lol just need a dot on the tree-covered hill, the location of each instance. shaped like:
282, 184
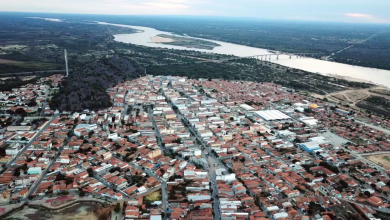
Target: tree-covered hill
86, 87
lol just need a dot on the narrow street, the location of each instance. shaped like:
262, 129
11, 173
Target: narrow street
212, 175
30, 142
163, 149
384, 130
43, 174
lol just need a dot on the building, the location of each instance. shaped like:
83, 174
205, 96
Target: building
13, 149
314, 143
246, 107
155, 217
309, 121
103, 169
272, 115
84, 127
198, 196
310, 146
19, 128
113, 136
34, 170
154, 154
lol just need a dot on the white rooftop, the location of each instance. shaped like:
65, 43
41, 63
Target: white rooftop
271, 115
155, 217
247, 107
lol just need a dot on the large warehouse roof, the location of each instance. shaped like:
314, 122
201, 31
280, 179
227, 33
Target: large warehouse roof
271, 115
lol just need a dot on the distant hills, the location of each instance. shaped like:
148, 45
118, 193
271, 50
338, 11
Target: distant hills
86, 87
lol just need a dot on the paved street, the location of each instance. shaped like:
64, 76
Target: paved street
384, 130
30, 142
163, 185
43, 174
156, 130
213, 159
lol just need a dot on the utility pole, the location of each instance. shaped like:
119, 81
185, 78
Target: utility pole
66, 63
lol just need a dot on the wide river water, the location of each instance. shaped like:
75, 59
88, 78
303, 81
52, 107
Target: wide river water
377, 76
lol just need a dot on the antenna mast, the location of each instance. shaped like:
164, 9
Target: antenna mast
66, 63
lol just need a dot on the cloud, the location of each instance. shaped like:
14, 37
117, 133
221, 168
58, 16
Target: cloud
358, 15
362, 11
151, 6
169, 4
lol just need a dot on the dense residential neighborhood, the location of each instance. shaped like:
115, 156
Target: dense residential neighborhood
179, 148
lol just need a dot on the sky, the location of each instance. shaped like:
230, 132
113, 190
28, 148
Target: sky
359, 11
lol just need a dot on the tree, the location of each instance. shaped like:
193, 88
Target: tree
60, 177
90, 133
69, 180
81, 193
117, 207
367, 193
21, 112
90, 172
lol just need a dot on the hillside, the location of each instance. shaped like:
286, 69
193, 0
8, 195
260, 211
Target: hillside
86, 87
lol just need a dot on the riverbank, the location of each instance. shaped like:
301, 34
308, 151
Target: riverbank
354, 73
349, 78
158, 39
79, 208
186, 42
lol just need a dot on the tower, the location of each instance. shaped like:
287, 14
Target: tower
66, 63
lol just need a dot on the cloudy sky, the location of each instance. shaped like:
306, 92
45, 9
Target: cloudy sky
367, 11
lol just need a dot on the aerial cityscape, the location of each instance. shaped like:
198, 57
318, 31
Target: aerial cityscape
174, 113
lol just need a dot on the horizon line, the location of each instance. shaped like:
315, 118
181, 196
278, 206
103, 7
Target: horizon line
204, 16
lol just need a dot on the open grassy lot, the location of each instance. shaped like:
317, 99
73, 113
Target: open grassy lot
154, 196
383, 160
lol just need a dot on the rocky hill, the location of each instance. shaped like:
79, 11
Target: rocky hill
86, 87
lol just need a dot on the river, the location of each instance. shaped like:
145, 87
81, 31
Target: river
357, 73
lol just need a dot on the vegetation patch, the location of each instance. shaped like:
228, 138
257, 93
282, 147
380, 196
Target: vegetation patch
377, 104
188, 42
382, 160
85, 88
154, 196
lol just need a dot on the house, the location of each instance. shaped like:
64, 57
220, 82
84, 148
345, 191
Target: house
199, 196
34, 170
13, 149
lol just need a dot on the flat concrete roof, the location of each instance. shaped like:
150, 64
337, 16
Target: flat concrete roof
272, 115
